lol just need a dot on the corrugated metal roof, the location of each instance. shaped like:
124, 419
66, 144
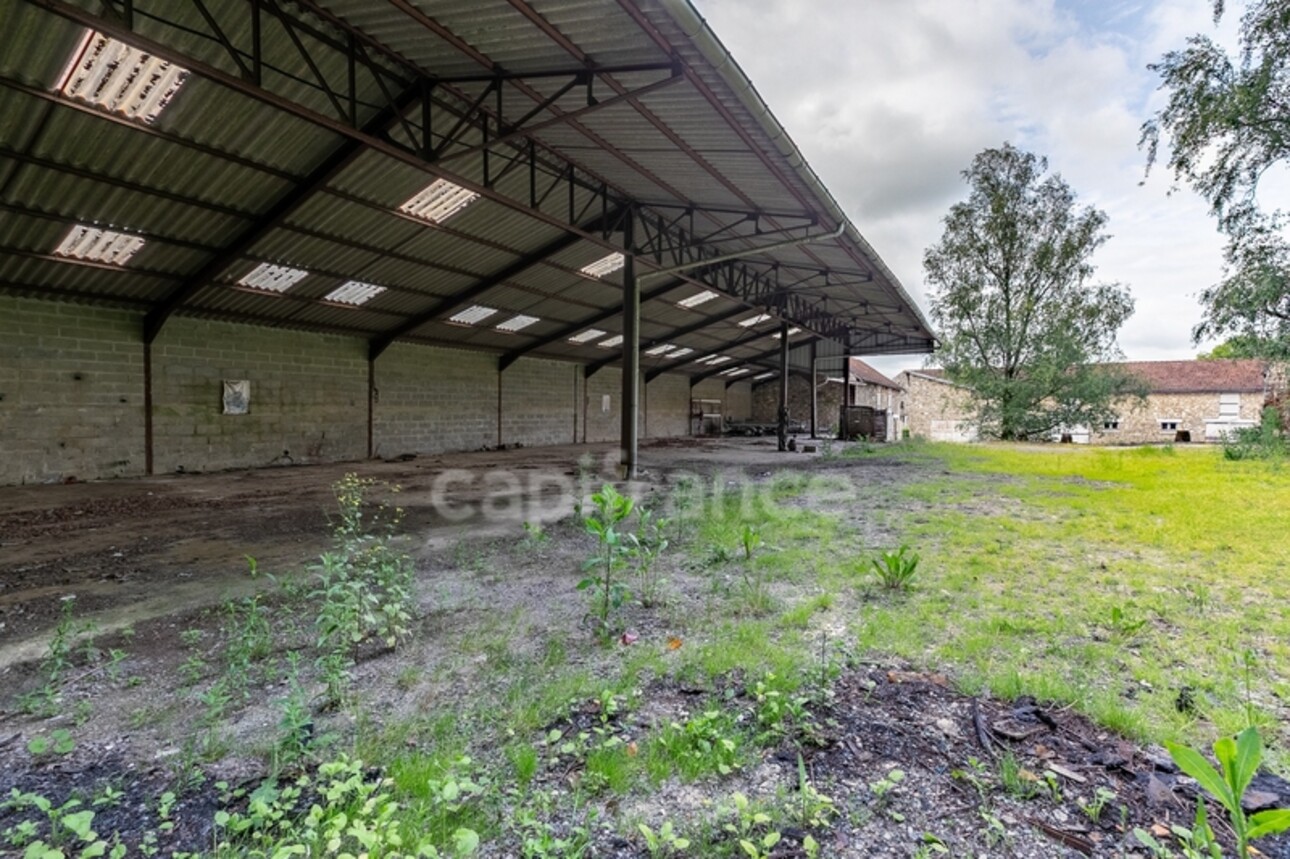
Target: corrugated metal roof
224, 153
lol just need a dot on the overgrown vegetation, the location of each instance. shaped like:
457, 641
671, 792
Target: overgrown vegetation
1071, 575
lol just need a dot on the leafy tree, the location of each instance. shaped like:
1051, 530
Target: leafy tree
1021, 324
1227, 122
1238, 346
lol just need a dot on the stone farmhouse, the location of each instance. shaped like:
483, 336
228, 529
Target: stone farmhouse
1186, 401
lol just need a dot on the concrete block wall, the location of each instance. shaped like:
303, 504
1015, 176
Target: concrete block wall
600, 423
432, 400
539, 402
71, 392
667, 407
72, 397
308, 396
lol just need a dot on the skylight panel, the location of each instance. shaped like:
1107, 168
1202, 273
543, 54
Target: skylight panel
791, 332
763, 376
354, 292
661, 349
122, 79
734, 371
714, 360
516, 323
588, 335
95, 244
695, 300
438, 201
273, 278
754, 320
679, 353
616, 340
472, 315
604, 265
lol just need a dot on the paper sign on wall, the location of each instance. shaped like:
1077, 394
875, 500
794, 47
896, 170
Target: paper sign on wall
604, 404
237, 396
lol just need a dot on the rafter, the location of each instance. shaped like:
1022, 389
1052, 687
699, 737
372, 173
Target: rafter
478, 288
569, 330
324, 172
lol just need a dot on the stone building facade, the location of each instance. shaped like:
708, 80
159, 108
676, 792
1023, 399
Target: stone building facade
828, 392
934, 408
1192, 400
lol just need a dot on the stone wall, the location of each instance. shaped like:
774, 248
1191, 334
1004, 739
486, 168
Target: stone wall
829, 395
1142, 422
934, 409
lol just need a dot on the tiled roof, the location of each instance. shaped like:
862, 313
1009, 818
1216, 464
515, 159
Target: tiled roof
1195, 377
867, 375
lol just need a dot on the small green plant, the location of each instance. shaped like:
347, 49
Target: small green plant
1093, 808
708, 742
364, 587
812, 809
883, 787
750, 539
646, 544
59, 742
749, 824
778, 713
896, 569
1015, 779
1123, 623
535, 534
666, 842
43, 701
68, 826
1265, 441
932, 846
1238, 761
608, 593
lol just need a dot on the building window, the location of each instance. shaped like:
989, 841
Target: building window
1229, 405
1110, 426
1168, 426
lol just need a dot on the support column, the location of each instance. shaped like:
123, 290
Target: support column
815, 387
783, 386
631, 352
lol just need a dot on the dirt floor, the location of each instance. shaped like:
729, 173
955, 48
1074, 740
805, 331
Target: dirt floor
150, 561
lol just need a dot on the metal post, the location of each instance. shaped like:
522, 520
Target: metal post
815, 385
783, 386
631, 351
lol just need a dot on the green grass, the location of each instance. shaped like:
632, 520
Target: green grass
1108, 579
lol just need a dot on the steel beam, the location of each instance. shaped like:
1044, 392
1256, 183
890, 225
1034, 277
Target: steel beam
631, 354
782, 414
569, 330
681, 362
381, 343
759, 358
288, 203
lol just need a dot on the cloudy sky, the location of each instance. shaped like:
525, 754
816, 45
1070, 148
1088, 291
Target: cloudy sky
890, 99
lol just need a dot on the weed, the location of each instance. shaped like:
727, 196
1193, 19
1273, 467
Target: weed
364, 588
750, 539
1123, 623
535, 534
780, 714
59, 742
43, 701
666, 842
646, 543
1238, 761
708, 742
65, 825
932, 846
295, 724
896, 569
608, 593
812, 809
882, 788
1017, 780
1094, 807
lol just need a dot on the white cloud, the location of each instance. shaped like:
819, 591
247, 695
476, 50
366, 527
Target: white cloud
889, 101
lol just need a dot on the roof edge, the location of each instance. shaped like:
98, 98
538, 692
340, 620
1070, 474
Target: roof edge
705, 39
